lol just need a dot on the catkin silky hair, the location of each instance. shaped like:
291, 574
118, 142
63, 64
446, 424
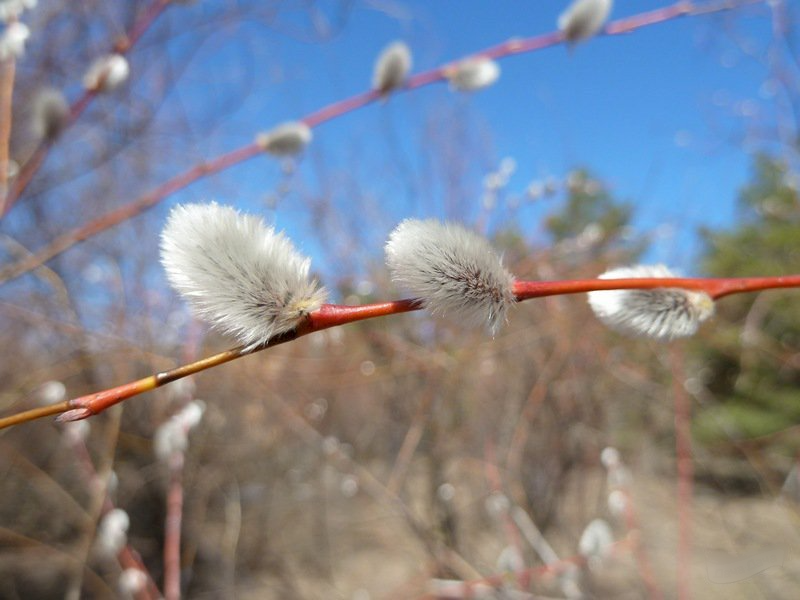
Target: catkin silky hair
391, 67
584, 18
106, 73
49, 114
473, 74
286, 139
237, 273
454, 271
660, 313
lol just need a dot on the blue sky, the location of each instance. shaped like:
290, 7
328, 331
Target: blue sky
651, 112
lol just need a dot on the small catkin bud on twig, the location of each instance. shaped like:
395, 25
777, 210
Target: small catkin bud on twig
172, 437
287, 139
106, 73
76, 432
583, 19
618, 503
237, 274
661, 313
609, 457
454, 271
49, 114
596, 541
132, 581
51, 392
391, 68
473, 74
112, 534
12, 40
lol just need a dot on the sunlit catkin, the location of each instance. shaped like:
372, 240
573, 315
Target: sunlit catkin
49, 114
473, 74
106, 73
660, 313
237, 273
454, 271
584, 18
596, 541
391, 68
12, 40
287, 139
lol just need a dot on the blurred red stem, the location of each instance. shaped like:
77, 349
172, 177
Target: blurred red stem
6, 104
172, 534
714, 287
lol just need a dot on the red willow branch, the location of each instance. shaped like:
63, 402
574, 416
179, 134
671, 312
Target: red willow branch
172, 533
123, 45
8, 67
330, 112
334, 315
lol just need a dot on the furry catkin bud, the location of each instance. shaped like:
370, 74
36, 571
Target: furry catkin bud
474, 74
49, 114
286, 139
610, 457
51, 392
12, 40
391, 68
237, 273
172, 437
584, 18
106, 73
112, 533
596, 540
131, 582
661, 313
454, 271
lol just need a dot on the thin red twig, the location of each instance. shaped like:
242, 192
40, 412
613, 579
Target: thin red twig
8, 67
333, 315
172, 533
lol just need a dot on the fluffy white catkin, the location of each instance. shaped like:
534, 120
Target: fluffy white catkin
112, 533
12, 40
661, 313
596, 540
107, 73
49, 114
391, 67
454, 271
237, 273
584, 18
286, 139
474, 74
